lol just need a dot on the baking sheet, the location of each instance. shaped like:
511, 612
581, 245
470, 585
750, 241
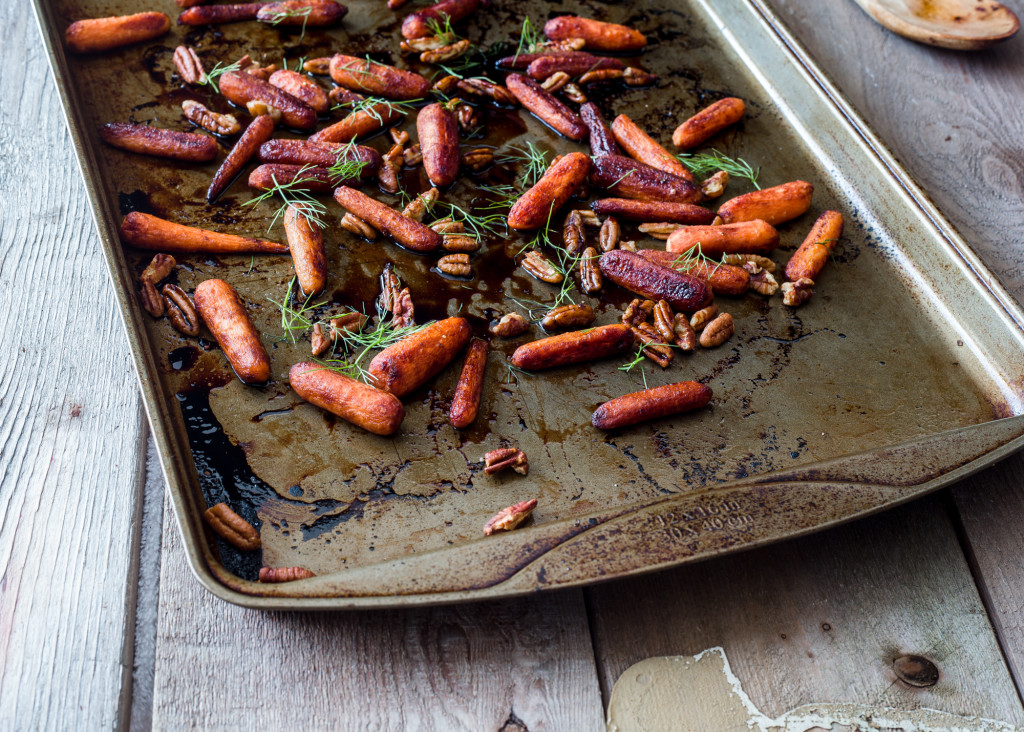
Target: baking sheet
905, 338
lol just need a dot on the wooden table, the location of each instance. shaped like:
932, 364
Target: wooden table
101, 623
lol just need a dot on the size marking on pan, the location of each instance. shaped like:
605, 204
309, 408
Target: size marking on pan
687, 524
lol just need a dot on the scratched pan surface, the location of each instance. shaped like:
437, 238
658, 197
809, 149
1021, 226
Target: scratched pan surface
907, 339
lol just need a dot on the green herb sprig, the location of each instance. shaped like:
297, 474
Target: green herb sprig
357, 345
529, 38
218, 70
532, 161
706, 163
295, 321
373, 106
346, 167
293, 194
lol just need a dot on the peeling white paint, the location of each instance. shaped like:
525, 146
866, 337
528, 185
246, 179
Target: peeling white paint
701, 693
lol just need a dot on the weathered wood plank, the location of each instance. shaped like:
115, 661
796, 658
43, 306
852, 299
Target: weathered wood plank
469, 667
991, 506
956, 121
70, 422
821, 619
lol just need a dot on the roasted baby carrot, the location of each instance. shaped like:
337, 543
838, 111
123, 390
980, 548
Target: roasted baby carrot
225, 315
144, 231
102, 34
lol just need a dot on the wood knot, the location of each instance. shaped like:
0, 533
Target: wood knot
916, 671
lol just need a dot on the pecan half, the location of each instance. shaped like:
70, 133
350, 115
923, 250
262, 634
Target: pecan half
654, 348
487, 89
573, 237
151, 299
661, 230
714, 186
540, 267
703, 316
509, 518
637, 311
638, 77
589, 218
739, 260
566, 317
256, 107
467, 118
220, 124
446, 85
478, 158
574, 94
795, 294
284, 574
189, 67
509, 325
599, 75
180, 310
664, 321
610, 234
590, 273
319, 66
418, 45
403, 314
232, 528
460, 243
325, 336
357, 226
556, 81
506, 457
391, 164
628, 245
399, 137
717, 331
419, 206
413, 155
456, 265
684, 335
761, 281
448, 225
158, 269
445, 53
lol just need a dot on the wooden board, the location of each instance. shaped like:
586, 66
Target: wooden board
525, 662
71, 426
822, 618
956, 122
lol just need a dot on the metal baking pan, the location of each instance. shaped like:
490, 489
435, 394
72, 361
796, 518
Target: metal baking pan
901, 375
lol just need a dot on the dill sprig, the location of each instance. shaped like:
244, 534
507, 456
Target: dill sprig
282, 15
357, 345
441, 28
705, 163
512, 373
295, 321
218, 70
565, 263
637, 361
293, 194
529, 37
695, 257
532, 161
480, 226
298, 65
372, 106
346, 167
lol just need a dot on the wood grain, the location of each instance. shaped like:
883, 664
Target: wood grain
822, 618
956, 121
470, 667
70, 422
